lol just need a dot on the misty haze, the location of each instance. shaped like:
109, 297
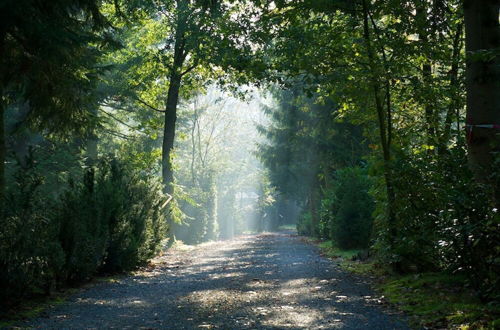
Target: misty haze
249, 164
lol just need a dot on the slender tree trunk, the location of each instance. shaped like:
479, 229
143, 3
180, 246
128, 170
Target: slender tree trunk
92, 143
313, 207
169, 131
426, 32
173, 97
2, 153
454, 106
429, 104
193, 146
483, 89
385, 124
171, 107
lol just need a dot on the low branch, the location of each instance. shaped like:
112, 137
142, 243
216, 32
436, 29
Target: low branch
148, 105
191, 68
117, 134
115, 107
170, 197
120, 121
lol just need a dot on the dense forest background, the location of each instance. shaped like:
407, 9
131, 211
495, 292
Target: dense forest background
128, 125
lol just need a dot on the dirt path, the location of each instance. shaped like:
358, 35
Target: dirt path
272, 281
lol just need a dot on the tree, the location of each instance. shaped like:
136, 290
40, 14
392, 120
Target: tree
483, 99
214, 163
306, 143
48, 57
187, 45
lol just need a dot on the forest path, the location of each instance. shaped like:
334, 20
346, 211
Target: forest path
268, 281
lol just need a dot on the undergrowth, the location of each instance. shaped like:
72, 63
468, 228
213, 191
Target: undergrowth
431, 300
32, 308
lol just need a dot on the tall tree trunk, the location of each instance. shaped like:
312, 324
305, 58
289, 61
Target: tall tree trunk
313, 207
2, 153
426, 32
483, 90
173, 96
169, 131
384, 123
430, 120
454, 106
92, 142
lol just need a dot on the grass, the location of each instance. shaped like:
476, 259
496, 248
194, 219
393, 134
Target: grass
33, 307
288, 227
440, 300
432, 300
331, 251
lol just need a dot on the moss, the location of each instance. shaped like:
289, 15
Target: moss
331, 251
362, 268
439, 300
432, 300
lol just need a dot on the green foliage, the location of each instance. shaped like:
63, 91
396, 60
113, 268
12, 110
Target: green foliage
304, 224
109, 220
200, 211
119, 212
443, 220
440, 300
50, 58
83, 233
347, 208
30, 256
331, 250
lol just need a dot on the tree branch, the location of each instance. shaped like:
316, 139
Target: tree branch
119, 120
117, 134
191, 68
148, 105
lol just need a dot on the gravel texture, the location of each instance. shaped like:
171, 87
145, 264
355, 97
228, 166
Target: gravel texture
268, 281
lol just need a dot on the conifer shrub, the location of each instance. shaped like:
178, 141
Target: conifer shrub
30, 253
110, 220
119, 224
83, 232
130, 205
346, 209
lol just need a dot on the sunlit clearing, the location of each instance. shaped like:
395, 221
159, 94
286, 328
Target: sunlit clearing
218, 177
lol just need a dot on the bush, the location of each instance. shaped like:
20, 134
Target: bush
83, 232
110, 221
304, 225
443, 220
200, 210
30, 254
346, 209
130, 206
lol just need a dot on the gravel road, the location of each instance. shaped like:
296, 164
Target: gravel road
268, 281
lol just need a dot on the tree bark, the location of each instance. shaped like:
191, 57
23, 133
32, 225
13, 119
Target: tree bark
173, 97
482, 37
2, 153
385, 124
426, 32
430, 120
454, 106
92, 143
169, 132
